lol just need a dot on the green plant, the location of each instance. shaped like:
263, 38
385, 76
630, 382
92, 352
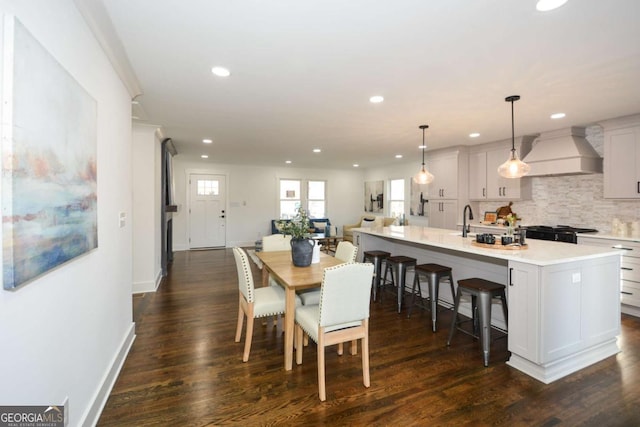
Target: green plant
297, 227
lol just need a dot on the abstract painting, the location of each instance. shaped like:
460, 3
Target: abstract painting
373, 196
419, 205
49, 170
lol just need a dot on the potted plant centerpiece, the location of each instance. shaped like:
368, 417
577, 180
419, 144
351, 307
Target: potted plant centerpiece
301, 244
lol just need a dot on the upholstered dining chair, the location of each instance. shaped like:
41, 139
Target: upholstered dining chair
341, 316
345, 252
254, 302
276, 242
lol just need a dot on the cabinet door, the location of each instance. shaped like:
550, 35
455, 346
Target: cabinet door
622, 164
444, 168
524, 310
478, 176
499, 187
443, 214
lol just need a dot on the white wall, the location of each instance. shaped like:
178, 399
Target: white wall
64, 334
147, 244
252, 198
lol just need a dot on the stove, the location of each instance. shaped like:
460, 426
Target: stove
559, 233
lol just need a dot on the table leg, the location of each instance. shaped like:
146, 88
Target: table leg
289, 323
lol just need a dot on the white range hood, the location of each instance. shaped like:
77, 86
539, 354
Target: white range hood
563, 152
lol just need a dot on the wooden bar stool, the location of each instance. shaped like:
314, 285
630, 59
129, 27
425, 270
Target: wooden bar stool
482, 292
398, 265
434, 274
376, 258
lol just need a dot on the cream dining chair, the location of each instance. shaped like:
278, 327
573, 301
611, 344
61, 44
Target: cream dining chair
345, 252
342, 315
254, 302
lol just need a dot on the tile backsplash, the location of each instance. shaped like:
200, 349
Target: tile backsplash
575, 200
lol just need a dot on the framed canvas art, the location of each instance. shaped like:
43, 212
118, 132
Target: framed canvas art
49, 169
373, 196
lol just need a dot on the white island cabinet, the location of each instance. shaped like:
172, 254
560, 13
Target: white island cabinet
564, 303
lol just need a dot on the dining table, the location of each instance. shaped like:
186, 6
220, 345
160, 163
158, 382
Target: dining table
280, 265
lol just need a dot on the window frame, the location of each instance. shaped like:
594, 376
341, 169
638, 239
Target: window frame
304, 195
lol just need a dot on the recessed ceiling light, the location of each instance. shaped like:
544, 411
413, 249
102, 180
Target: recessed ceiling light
398, 156
558, 115
376, 99
474, 135
355, 165
317, 150
547, 5
288, 162
221, 71
207, 141
204, 156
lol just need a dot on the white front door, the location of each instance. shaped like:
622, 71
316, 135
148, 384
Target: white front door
207, 206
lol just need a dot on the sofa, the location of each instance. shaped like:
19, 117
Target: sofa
376, 221
318, 224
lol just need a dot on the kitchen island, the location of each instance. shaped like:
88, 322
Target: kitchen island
564, 299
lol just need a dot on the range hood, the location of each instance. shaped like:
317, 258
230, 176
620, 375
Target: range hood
563, 152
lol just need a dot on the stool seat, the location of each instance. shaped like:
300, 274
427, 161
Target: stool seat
376, 258
434, 274
399, 265
482, 291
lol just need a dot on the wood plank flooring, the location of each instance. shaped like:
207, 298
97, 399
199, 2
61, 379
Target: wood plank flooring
185, 369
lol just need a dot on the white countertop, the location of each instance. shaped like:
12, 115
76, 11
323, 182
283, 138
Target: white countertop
538, 252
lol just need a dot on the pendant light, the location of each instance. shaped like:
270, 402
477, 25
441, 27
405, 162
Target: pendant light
423, 177
513, 167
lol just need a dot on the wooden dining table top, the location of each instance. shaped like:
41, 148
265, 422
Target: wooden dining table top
281, 266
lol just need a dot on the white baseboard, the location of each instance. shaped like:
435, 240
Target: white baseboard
147, 285
92, 414
630, 310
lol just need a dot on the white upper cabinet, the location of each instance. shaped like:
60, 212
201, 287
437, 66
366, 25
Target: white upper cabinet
484, 181
447, 168
622, 158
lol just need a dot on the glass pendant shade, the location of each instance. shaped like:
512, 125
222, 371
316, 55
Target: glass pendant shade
424, 176
513, 167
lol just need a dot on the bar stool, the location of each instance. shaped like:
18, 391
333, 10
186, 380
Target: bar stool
376, 258
399, 265
434, 274
484, 291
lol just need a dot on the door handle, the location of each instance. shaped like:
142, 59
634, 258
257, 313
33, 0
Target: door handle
510, 276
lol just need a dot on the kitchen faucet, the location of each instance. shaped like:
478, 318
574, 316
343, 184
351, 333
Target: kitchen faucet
464, 220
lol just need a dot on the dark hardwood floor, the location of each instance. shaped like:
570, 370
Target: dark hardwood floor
185, 369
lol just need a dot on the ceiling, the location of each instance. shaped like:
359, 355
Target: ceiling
303, 72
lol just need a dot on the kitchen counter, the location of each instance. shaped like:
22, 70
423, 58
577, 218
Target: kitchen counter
538, 252
564, 299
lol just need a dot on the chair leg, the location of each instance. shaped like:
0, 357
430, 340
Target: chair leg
299, 345
365, 355
247, 339
416, 282
454, 321
340, 348
484, 309
321, 385
354, 347
240, 322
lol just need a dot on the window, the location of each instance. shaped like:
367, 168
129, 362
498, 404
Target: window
311, 195
207, 187
396, 198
